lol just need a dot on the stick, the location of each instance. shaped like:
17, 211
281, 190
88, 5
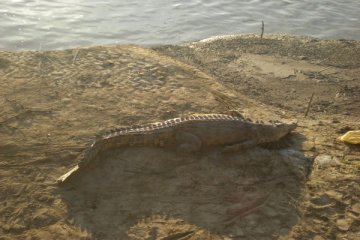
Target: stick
309, 104
262, 29
324, 69
40, 50
75, 56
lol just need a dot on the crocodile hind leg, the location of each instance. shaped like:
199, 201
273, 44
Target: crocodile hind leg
239, 146
187, 143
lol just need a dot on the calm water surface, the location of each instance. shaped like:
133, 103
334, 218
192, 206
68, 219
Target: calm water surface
43, 24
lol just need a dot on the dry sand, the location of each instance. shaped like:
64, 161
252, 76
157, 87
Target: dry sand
53, 102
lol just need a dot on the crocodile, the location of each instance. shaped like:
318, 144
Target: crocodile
186, 135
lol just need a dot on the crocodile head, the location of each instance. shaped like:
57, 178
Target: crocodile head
285, 128
275, 131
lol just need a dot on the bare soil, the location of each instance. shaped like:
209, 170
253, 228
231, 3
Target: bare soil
54, 102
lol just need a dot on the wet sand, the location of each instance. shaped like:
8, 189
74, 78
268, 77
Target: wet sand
53, 102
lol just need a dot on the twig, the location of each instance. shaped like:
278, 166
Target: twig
49, 59
309, 104
262, 29
245, 211
180, 235
40, 63
323, 69
40, 53
75, 56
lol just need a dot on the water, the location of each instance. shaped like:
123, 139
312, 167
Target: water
58, 24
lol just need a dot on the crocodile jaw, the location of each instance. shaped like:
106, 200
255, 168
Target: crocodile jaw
284, 128
273, 133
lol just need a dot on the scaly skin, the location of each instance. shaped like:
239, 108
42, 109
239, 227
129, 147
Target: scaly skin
189, 134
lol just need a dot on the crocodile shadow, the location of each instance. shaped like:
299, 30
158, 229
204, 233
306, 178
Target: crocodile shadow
151, 193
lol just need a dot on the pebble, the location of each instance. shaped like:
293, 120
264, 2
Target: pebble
39, 179
343, 224
324, 161
356, 208
321, 200
66, 100
335, 195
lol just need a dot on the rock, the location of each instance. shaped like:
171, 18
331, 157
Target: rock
66, 100
298, 164
321, 200
335, 195
356, 208
324, 161
343, 224
302, 57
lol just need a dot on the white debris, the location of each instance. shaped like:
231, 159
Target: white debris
324, 161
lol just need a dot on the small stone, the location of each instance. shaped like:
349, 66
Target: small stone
324, 161
335, 195
321, 200
356, 208
39, 179
66, 100
343, 224
317, 221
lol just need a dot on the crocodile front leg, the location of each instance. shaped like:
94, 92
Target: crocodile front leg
187, 143
239, 146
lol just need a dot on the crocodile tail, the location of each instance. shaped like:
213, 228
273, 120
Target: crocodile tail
91, 152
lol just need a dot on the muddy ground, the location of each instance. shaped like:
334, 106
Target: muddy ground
54, 102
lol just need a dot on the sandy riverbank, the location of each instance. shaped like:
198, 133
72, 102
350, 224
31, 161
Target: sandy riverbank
53, 102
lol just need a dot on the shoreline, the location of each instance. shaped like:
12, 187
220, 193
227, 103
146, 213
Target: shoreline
226, 37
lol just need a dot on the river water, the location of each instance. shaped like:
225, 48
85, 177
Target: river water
58, 24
